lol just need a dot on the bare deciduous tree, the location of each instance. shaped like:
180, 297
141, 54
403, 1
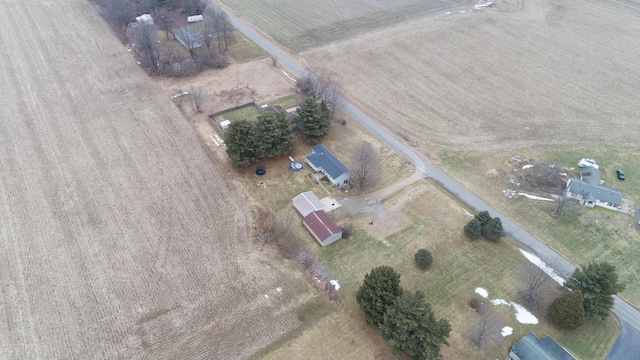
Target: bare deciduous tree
366, 169
119, 12
535, 282
567, 207
199, 96
144, 37
166, 20
486, 328
322, 87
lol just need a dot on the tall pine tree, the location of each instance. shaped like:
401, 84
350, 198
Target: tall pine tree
243, 143
380, 287
275, 134
312, 120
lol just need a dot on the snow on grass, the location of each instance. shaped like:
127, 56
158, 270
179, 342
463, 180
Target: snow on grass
529, 166
523, 315
506, 331
335, 284
482, 292
529, 196
542, 265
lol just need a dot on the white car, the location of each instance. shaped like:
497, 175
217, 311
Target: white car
587, 162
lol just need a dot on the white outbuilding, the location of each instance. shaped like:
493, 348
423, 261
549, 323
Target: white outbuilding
224, 125
195, 18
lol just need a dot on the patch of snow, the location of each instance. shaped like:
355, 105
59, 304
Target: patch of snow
461, 12
279, 290
467, 213
266, 296
534, 197
482, 292
448, 12
528, 166
523, 315
335, 284
290, 78
499, 302
506, 331
542, 265
483, 5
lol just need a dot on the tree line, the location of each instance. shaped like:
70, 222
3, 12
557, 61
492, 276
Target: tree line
169, 58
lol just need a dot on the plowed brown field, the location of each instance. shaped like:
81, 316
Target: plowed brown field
519, 74
119, 237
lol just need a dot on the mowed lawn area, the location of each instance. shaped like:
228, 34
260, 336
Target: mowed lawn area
430, 219
303, 24
614, 238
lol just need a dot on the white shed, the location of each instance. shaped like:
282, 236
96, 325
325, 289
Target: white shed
145, 19
224, 125
195, 18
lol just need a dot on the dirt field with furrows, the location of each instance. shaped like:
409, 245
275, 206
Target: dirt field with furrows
517, 74
119, 237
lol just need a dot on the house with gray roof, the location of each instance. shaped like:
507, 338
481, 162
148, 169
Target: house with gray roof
322, 160
189, 39
530, 347
590, 192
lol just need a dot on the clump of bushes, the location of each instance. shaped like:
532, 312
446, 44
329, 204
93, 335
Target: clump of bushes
484, 224
567, 311
423, 258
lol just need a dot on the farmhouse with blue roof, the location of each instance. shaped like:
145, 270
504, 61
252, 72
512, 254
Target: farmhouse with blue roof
324, 161
530, 347
590, 192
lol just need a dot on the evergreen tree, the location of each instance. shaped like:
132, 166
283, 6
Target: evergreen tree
493, 230
473, 229
275, 134
567, 311
379, 289
411, 328
597, 282
312, 120
483, 217
423, 258
243, 143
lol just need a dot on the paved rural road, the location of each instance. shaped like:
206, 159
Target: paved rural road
626, 346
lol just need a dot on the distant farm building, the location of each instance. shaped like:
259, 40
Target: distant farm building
590, 192
323, 229
144, 19
189, 39
306, 203
195, 18
322, 160
224, 125
530, 347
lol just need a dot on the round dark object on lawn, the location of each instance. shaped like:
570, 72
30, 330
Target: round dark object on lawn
260, 171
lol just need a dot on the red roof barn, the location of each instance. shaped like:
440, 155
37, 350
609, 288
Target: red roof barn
322, 227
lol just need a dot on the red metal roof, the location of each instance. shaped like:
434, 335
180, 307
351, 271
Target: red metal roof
321, 225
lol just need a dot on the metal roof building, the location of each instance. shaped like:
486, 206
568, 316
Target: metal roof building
306, 203
530, 347
323, 229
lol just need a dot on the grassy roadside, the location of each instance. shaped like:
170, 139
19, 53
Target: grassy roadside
580, 239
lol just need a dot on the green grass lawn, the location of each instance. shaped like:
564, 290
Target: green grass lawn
460, 265
247, 113
613, 239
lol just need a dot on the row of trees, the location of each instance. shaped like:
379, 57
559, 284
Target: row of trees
405, 319
592, 289
249, 141
484, 224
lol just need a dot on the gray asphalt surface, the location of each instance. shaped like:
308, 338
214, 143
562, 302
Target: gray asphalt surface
627, 345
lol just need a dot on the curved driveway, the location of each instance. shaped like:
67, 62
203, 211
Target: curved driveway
625, 347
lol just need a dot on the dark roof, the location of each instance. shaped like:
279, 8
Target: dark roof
595, 192
530, 347
273, 108
323, 158
189, 39
321, 225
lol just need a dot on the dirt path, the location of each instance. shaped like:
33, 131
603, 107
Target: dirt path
366, 203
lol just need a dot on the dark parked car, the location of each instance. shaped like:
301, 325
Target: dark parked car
620, 174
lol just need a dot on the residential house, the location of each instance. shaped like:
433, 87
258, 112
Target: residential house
189, 39
144, 19
530, 347
323, 229
324, 161
590, 192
